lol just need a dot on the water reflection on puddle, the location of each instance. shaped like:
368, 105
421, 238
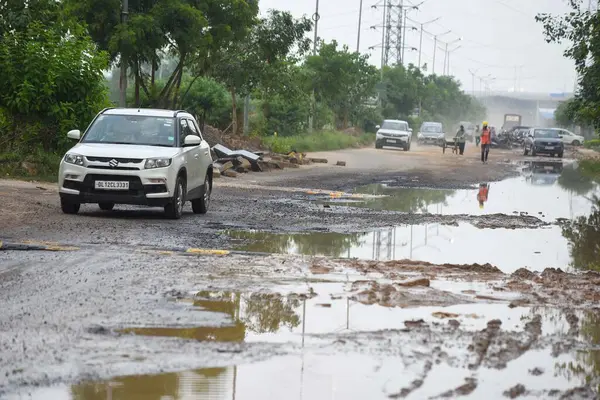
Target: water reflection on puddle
349, 375
508, 249
547, 190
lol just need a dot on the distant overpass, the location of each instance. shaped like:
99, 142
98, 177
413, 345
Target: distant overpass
536, 108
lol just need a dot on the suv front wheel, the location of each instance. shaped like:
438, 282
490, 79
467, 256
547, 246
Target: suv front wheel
200, 205
69, 207
174, 210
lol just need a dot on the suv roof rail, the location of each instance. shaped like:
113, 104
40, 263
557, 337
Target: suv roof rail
106, 109
179, 111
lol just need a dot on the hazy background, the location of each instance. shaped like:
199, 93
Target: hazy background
497, 36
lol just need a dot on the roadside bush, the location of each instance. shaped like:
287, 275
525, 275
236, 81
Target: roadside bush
592, 144
50, 82
318, 141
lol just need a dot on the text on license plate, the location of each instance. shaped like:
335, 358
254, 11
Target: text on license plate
549, 148
391, 141
112, 185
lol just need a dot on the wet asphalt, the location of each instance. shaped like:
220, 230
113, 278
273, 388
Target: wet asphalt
134, 295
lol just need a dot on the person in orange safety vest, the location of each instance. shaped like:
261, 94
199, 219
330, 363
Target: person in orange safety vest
486, 140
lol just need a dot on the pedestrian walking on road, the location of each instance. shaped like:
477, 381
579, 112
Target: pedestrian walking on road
486, 140
460, 138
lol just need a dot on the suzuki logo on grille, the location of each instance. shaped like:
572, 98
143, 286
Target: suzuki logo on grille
113, 163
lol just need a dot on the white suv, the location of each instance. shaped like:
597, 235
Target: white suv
155, 158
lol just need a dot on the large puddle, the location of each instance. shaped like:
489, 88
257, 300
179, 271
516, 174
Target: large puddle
385, 370
546, 190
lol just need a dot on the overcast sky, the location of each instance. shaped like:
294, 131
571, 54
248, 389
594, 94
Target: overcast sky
497, 35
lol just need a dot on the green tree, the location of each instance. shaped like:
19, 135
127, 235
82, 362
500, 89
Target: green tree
190, 30
342, 80
581, 29
50, 82
261, 59
208, 100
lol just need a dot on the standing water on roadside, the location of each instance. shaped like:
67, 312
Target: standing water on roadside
546, 190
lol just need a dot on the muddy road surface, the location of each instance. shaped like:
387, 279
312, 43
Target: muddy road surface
387, 278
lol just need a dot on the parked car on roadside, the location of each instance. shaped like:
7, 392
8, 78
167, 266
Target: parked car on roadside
430, 133
393, 133
155, 158
543, 141
569, 137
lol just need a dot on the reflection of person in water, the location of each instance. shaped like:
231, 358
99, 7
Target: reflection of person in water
482, 195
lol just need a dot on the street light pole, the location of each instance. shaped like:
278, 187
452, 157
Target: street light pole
421, 37
446, 56
311, 118
449, 53
359, 26
123, 78
435, 38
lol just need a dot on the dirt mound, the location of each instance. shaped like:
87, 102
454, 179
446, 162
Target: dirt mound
235, 142
411, 265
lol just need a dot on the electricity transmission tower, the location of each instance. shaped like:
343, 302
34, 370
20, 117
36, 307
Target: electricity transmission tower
392, 29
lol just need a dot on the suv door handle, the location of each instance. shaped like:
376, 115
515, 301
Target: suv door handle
196, 155
206, 153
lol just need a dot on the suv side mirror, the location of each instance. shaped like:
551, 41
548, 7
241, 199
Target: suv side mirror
410, 130
75, 134
377, 126
191, 140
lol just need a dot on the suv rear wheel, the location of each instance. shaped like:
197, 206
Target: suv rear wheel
200, 205
174, 210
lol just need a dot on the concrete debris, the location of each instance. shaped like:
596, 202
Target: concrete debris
229, 173
341, 163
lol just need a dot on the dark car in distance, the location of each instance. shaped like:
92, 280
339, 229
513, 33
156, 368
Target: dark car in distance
543, 141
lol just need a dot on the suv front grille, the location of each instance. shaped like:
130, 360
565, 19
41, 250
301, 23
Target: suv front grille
120, 160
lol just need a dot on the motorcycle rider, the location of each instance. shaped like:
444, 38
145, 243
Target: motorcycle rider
486, 141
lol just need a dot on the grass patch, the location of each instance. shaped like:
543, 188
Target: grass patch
318, 141
592, 144
37, 166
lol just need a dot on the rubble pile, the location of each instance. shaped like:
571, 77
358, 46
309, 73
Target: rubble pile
232, 157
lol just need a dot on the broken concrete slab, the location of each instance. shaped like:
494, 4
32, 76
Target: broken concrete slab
227, 166
341, 163
223, 152
318, 160
230, 173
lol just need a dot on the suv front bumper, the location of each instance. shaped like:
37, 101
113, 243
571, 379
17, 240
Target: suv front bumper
395, 141
146, 187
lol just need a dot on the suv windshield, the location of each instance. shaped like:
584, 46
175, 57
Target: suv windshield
136, 130
395, 126
431, 129
546, 133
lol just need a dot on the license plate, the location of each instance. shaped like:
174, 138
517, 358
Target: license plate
548, 168
391, 141
112, 185
549, 148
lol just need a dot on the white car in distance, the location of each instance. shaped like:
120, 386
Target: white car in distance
393, 133
569, 137
155, 158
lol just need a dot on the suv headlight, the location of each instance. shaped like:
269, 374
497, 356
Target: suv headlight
157, 163
73, 159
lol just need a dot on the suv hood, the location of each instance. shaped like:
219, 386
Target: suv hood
123, 150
